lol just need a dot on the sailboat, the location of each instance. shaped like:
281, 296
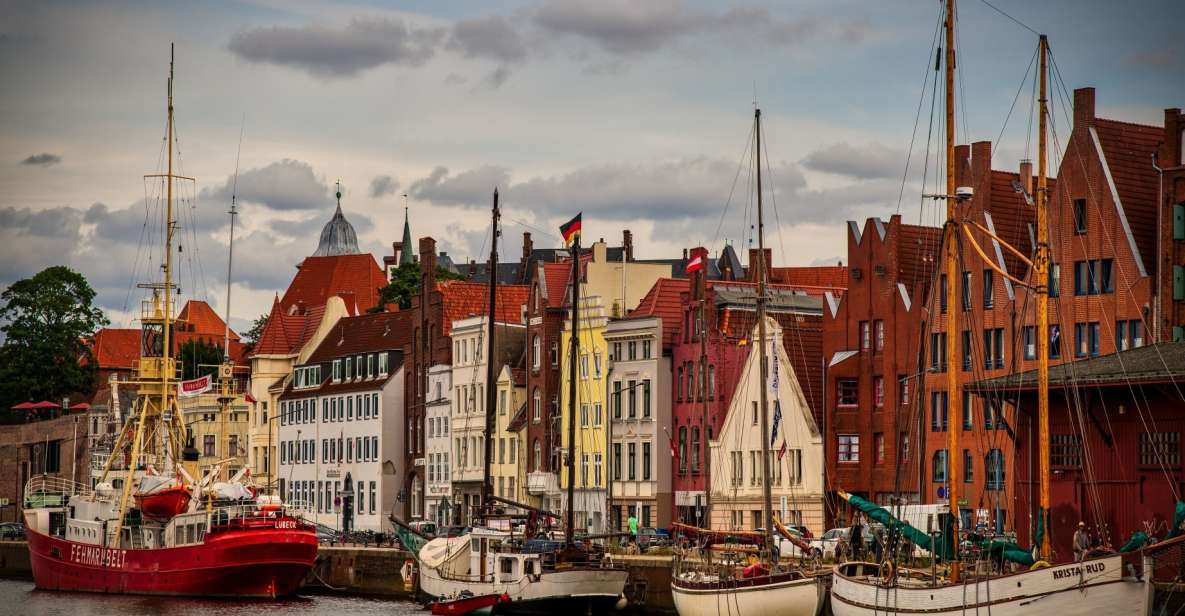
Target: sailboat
529, 579
1100, 585
764, 588
172, 538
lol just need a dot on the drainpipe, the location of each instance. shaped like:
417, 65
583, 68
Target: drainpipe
1156, 307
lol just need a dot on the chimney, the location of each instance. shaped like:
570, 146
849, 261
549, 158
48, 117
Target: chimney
751, 275
1026, 175
962, 164
627, 244
981, 162
700, 278
528, 247
1172, 151
427, 263
684, 256
1083, 107
472, 268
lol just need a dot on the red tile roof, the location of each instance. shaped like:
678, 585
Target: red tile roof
1012, 217
198, 317
813, 280
116, 348
1129, 149
381, 331
319, 278
556, 277
664, 300
917, 256
287, 333
463, 299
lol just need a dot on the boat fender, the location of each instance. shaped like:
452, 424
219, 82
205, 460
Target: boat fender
621, 602
408, 574
1041, 564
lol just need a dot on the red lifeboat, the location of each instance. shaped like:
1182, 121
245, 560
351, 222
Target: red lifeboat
164, 503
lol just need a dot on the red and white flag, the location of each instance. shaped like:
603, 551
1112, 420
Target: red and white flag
699, 260
188, 389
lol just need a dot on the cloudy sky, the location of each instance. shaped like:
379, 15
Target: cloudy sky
637, 113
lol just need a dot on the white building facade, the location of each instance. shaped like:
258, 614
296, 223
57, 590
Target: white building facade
438, 445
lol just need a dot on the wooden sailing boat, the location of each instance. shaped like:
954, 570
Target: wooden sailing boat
488, 562
1099, 585
764, 588
99, 541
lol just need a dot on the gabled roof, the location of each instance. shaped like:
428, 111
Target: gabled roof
287, 333
815, 280
1011, 217
663, 300
464, 299
1128, 149
1156, 363
199, 318
380, 331
114, 348
556, 277
917, 256
319, 278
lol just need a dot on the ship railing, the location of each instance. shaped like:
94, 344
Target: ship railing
52, 491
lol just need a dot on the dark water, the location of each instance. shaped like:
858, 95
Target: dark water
18, 597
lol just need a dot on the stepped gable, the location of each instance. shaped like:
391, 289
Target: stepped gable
463, 299
116, 348
664, 300
1128, 149
319, 278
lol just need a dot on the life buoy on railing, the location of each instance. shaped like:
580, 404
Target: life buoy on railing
408, 574
1041, 564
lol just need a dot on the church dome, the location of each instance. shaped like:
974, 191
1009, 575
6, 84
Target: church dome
338, 236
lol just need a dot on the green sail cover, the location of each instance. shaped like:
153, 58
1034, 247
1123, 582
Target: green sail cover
1040, 534
1008, 551
410, 540
1178, 517
1138, 540
945, 549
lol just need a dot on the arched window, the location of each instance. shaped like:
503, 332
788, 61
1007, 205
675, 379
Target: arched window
683, 449
538, 455
939, 466
536, 352
536, 405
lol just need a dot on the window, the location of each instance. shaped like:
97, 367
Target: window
1079, 216
597, 470
695, 450
1129, 334
502, 402
1094, 277
1065, 450
1160, 449
992, 419
711, 382
965, 291
584, 365
683, 449
942, 293
631, 395
1055, 279
903, 390
616, 461
939, 466
968, 467
584, 415
646, 461
989, 290
993, 348
337, 369
938, 352
794, 463
537, 405
738, 468
938, 411
679, 383
994, 467
966, 350
849, 448
597, 365
538, 455
878, 334
754, 414
383, 364
615, 354
1055, 341
878, 444
878, 391
1086, 339
1030, 342
584, 470
968, 420
645, 349
646, 398
555, 353
349, 367
865, 336
633, 350
616, 401
631, 466
903, 448
598, 416
208, 446
848, 394
536, 352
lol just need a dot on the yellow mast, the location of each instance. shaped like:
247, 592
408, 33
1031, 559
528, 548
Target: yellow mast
954, 453
1040, 273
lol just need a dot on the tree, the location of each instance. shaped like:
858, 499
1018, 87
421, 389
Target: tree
252, 335
47, 322
405, 282
198, 358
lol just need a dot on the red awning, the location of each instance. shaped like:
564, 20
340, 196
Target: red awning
81, 406
45, 404
24, 406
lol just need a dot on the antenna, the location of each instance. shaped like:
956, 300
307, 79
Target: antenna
234, 188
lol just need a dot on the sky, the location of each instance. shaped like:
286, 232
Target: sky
638, 114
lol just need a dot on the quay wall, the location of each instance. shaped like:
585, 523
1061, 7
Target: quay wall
14, 560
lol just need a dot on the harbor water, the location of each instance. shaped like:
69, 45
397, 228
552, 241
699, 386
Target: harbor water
19, 597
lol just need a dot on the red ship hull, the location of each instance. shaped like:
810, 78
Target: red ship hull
246, 562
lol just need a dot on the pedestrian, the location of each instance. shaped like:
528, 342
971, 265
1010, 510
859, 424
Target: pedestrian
633, 526
856, 539
1081, 542
878, 542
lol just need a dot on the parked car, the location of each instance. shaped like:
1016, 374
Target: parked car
12, 531
424, 527
653, 538
829, 543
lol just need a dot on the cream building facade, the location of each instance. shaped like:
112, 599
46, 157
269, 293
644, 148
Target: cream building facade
509, 471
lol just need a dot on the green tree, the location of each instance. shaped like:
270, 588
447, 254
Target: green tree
251, 336
405, 283
47, 322
198, 358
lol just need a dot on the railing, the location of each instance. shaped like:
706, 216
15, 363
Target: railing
52, 491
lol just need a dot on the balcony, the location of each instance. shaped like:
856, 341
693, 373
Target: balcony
539, 483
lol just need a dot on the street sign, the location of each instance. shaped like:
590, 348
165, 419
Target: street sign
941, 491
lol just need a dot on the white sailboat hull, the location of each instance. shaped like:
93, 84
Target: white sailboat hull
797, 597
1097, 586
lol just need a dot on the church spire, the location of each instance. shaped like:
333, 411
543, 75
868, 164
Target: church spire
405, 254
338, 237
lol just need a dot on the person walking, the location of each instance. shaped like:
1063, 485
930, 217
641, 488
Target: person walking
632, 522
856, 539
1081, 542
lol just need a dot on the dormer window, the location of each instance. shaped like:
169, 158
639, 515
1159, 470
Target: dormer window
371, 365
383, 368
349, 368
337, 370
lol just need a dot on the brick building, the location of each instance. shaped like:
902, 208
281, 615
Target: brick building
57, 447
872, 347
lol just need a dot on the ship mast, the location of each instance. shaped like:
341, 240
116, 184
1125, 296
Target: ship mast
1040, 272
487, 482
950, 232
702, 288
569, 524
766, 490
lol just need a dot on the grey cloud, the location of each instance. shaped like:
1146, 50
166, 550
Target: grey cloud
282, 185
468, 188
327, 52
58, 222
494, 37
867, 162
383, 185
44, 159
497, 77
308, 229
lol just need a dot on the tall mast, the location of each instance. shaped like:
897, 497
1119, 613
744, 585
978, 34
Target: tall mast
168, 309
954, 455
703, 358
766, 490
487, 482
573, 351
1041, 269
230, 253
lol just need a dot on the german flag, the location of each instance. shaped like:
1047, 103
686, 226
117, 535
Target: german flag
571, 229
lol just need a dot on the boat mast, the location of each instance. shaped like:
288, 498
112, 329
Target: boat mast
766, 490
1040, 272
573, 351
487, 482
702, 289
954, 453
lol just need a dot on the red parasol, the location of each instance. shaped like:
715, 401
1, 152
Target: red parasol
45, 404
81, 406
24, 406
